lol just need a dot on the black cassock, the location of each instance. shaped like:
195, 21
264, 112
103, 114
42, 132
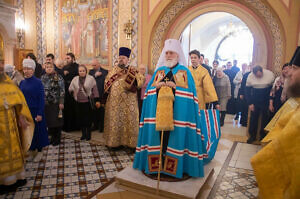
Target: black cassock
69, 112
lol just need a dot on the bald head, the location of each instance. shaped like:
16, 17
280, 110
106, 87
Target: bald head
244, 67
59, 63
95, 64
206, 61
143, 69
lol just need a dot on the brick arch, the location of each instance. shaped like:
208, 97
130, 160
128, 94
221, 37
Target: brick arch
178, 14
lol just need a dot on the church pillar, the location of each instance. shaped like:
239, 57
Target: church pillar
124, 17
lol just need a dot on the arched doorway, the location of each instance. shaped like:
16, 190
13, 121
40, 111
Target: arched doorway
265, 27
219, 36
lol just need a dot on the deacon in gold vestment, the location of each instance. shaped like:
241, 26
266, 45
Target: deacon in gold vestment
276, 166
206, 92
121, 120
16, 131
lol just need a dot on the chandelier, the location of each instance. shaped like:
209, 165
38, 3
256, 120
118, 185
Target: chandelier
20, 28
231, 30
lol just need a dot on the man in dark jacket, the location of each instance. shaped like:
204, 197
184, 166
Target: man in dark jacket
243, 100
51, 59
259, 84
69, 72
203, 64
231, 72
99, 74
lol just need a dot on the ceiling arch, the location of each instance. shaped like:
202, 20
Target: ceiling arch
268, 47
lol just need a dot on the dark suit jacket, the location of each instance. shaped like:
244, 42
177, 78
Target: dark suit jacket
207, 68
99, 80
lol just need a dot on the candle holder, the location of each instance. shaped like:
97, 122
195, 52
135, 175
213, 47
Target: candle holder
128, 29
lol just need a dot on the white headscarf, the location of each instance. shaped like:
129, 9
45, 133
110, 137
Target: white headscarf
175, 46
28, 63
8, 68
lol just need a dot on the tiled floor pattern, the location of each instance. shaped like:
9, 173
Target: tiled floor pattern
237, 184
238, 181
73, 169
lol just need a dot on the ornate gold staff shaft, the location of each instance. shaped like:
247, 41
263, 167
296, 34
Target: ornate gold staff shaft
160, 161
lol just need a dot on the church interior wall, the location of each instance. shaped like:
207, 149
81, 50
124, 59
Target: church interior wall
150, 12
148, 20
7, 30
124, 17
49, 26
30, 23
288, 13
289, 19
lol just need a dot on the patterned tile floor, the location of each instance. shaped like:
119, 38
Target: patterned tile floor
236, 179
73, 169
237, 183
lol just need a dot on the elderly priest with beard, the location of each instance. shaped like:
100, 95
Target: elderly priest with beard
171, 113
16, 131
121, 119
276, 166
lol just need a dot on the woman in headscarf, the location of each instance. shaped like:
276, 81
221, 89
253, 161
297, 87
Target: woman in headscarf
223, 89
84, 90
38, 71
54, 102
33, 91
14, 75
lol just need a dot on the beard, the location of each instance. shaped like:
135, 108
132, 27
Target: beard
170, 63
121, 65
293, 89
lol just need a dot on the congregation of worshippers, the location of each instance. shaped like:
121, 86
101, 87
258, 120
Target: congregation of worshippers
61, 95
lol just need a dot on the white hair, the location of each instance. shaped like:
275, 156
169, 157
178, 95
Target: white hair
174, 46
8, 68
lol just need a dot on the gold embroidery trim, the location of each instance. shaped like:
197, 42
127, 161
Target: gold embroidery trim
153, 163
181, 79
158, 77
170, 165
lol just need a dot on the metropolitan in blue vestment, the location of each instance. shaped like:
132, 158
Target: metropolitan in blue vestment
34, 94
190, 145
